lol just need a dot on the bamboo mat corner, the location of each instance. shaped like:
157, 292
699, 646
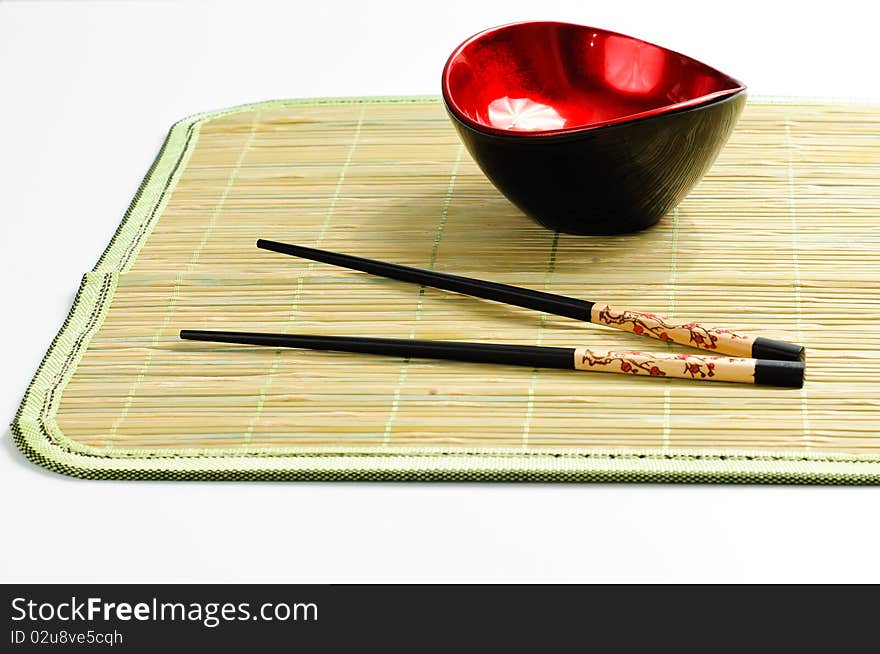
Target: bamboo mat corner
786, 220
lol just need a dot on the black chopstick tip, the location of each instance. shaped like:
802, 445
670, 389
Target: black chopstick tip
277, 246
200, 335
787, 374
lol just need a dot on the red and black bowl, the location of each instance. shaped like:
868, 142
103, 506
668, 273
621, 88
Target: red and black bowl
585, 130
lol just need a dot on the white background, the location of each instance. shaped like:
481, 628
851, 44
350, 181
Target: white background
87, 93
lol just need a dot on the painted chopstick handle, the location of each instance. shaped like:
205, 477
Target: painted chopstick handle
789, 374
721, 341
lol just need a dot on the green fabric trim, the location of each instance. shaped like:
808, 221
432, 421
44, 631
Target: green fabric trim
38, 436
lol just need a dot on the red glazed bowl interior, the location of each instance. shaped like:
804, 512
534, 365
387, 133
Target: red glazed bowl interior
546, 78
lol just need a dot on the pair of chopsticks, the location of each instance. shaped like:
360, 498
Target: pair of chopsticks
737, 357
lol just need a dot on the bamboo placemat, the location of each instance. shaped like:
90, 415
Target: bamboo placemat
780, 239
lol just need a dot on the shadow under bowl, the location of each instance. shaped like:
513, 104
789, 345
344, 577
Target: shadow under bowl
585, 130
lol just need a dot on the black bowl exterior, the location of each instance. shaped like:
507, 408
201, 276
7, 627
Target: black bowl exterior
608, 180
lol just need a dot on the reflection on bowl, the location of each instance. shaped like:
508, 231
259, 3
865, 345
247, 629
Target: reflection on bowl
585, 130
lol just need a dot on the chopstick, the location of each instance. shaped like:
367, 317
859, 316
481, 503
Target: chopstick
789, 374
721, 341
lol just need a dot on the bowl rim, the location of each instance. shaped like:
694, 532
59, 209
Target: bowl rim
544, 138
692, 103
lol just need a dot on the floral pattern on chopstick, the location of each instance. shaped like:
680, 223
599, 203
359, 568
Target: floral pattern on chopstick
697, 366
636, 363
661, 328
630, 362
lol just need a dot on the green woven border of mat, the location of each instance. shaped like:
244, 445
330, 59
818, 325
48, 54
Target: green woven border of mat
38, 436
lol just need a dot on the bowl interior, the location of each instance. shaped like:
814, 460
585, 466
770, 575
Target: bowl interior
547, 78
